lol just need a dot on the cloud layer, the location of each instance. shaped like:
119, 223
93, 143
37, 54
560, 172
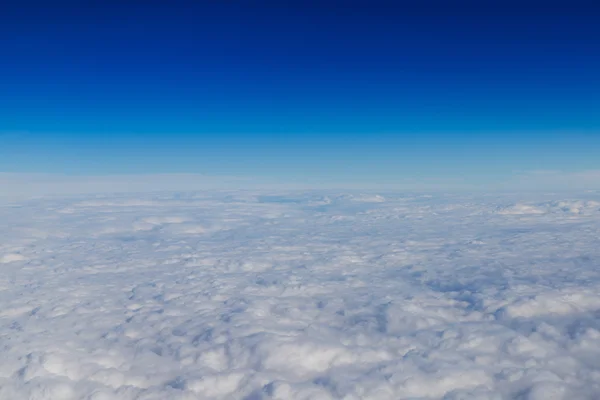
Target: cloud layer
300, 295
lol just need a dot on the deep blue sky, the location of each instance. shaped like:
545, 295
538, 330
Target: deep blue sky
349, 91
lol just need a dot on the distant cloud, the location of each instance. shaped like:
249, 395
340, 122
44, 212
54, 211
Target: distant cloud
555, 180
18, 185
34, 185
28, 185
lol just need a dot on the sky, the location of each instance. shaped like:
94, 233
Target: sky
346, 92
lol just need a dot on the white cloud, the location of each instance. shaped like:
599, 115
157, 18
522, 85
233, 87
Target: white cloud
289, 295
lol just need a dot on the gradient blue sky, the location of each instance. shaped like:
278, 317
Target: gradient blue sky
340, 91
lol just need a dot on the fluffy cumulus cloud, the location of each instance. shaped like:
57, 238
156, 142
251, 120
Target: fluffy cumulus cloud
256, 295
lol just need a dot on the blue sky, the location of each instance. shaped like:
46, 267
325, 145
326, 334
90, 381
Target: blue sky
336, 91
